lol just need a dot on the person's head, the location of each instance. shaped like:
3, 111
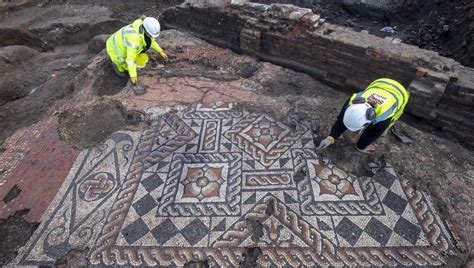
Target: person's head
358, 115
152, 27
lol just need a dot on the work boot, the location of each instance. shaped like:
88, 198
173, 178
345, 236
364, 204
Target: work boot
117, 71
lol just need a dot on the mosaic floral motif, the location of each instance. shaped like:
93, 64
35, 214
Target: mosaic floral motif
334, 181
263, 138
203, 182
264, 131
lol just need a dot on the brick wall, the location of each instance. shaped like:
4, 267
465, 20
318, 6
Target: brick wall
296, 38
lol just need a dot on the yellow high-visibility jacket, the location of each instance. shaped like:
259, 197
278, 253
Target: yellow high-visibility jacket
126, 44
389, 96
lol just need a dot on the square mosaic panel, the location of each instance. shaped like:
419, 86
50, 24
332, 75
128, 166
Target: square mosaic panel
329, 190
211, 182
202, 185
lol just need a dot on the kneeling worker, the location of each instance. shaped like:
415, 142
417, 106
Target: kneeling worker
126, 47
373, 110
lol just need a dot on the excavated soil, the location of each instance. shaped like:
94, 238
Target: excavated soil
74, 258
14, 233
44, 45
108, 83
28, 110
88, 126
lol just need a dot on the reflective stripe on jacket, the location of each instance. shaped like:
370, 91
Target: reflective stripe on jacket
127, 43
389, 97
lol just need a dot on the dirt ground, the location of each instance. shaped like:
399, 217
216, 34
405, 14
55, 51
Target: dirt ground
85, 128
15, 231
38, 66
67, 80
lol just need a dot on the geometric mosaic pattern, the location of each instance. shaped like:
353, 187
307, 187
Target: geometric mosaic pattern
208, 183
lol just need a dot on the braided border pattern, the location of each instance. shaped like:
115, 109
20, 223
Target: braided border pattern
143, 159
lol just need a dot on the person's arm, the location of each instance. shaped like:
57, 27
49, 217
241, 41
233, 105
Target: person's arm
338, 128
336, 131
132, 43
154, 45
372, 133
131, 63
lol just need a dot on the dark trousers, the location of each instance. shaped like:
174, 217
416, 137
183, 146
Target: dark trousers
370, 134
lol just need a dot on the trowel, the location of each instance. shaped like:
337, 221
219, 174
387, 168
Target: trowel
139, 89
400, 135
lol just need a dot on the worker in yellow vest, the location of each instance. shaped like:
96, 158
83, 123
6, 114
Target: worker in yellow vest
372, 111
126, 47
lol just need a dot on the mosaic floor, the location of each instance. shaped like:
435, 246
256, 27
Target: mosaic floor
208, 183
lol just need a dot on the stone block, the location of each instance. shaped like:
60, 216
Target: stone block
282, 10
421, 72
469, 123
238, 2
295, 15
461, 133
438, 77
355, 84
259, 8
314, 18
373, 52
463, 98
335, 79
427, 89
422, 111
446, 117
465, 89
304, 11
208, 3
351, 48
396, 41
315, 26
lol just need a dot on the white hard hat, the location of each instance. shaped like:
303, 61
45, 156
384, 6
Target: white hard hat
357, 116
152, 26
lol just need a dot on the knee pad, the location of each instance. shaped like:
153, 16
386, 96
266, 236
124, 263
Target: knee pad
142, 60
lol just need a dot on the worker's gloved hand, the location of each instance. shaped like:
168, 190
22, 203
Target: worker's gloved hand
163, 55
134, 80
325, 143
